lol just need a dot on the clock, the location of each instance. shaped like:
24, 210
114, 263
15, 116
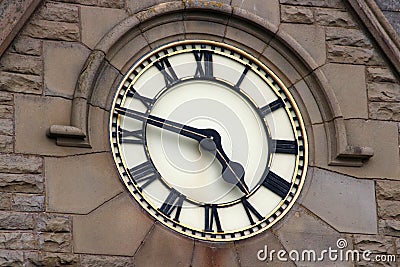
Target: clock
208, 140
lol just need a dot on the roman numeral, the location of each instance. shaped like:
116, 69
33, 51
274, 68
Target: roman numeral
285, 146
277, 184
271, 107
211, 216
239, 82
144, 173
167, 71
174, 201
250, 211
204, 57
131, 137
147, 102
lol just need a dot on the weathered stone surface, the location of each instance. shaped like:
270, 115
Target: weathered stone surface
55, 242
11, 258
316, 3
54, 30
27, 202
51, 259
247, 251
239, 38
206, 255
16, 221
58, 12
80, 188
23, 64
389, 209
6, 112
347, 37
6, 99
7, 125
353, 210
267, 9
157, 249
17, 241
110, 3
20, 164
63, 63
136, 6
6, 143
23, 183
375, 244
104, 261
389, 92
48, 222
96, 22
13, 82
348, 83
353, 55
389, 5
294, 14
380, 74
5, 201
393, 18
389, 227
26, 46
388, 190
165, 32
334, 18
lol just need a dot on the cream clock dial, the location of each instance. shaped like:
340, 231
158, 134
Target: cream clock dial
208, 140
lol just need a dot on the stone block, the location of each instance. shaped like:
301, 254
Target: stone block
241, 39
11, 258
48, 222
388, 190
116, 228
51, 259
315, 3
23, 64
297, 14
348, 84
17, 241
6, 125
309, 101
353, 55
53, 30
5, 201
389, 209
27, 202
96, 22
98, 260
375, 244
247, 251
6, 144
334, 18
98, 128
55, 242
23, 183
393, 18
6, 112
347, 37
137, 6
10, 163
206, 27
267, 9
58, 12
20, 83
6, 99
385, 92
157, 249
63, 63
380, 74
166, 32
206, 255
389, 227
353, 209
128, 52
80, 188
305, 231
310, 37
389, 111
26, 46
388, 5
16, 221
280, 65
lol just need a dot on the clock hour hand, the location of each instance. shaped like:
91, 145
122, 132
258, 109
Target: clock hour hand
209, 139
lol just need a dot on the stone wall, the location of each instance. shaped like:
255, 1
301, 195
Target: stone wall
58, 208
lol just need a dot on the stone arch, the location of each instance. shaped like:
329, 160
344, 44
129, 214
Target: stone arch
77, 134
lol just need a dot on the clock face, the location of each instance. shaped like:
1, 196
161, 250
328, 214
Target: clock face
208, 140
